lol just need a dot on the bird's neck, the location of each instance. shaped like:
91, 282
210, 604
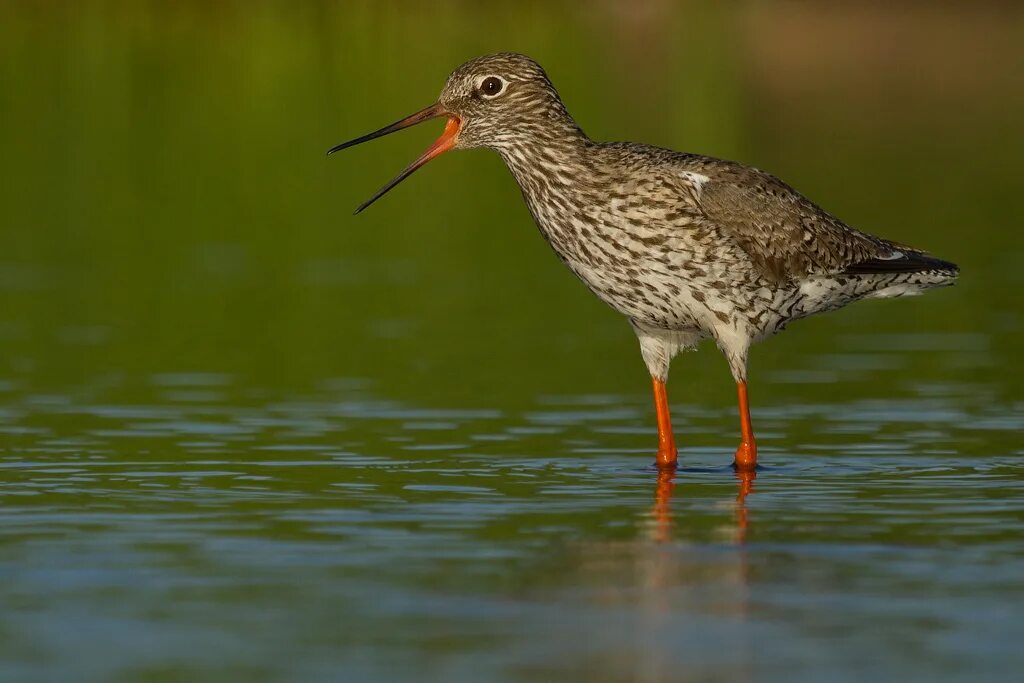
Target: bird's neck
553, 173
548, 163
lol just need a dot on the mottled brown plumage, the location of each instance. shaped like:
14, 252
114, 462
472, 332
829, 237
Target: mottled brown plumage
688, 247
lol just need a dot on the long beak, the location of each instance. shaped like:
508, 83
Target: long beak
440, 146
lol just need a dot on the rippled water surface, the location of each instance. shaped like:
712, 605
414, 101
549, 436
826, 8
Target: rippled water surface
207, 528
246, 436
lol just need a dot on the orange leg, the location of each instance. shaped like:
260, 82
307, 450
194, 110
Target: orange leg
746, 454
666, 442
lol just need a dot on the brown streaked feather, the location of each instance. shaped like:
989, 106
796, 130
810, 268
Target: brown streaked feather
785, 234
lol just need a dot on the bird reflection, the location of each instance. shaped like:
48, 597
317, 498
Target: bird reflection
667, 571
666, 588
746, 487
662, 511
663, 506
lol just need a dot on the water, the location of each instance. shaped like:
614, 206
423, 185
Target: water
200, 533
245, 436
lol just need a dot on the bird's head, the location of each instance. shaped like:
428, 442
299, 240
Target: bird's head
498, 101
501, 100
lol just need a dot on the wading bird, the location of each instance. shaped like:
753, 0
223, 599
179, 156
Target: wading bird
687, 247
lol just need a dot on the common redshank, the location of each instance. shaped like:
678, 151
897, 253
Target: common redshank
687, 247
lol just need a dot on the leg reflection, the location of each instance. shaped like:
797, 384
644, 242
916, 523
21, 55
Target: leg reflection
676, 586
663, 505
746, 487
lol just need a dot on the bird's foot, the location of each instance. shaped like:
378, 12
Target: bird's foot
667, 458
746, 457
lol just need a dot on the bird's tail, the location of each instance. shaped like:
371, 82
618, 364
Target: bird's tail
905, 260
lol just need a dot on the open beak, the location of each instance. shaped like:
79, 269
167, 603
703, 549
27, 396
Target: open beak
440, 146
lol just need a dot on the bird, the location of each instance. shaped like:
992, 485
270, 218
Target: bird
687, 247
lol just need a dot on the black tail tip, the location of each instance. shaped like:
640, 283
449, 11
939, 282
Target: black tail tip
907, 262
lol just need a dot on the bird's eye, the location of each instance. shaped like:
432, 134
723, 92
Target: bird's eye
492, 86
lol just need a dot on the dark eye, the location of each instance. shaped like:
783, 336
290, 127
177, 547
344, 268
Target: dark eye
491, 86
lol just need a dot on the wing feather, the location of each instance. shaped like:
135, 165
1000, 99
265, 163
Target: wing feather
785, 234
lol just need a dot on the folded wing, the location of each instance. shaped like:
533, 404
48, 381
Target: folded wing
789, 237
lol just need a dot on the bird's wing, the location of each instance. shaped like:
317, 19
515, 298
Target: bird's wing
786, 235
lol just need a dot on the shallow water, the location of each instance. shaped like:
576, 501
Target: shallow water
197, 531
246, 436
